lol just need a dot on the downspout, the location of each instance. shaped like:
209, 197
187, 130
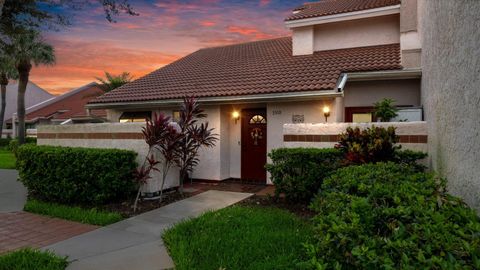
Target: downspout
339, 101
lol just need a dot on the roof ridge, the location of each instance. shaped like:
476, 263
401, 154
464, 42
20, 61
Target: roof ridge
246, 42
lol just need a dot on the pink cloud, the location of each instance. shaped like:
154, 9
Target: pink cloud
248, 31
207, 23
264, 3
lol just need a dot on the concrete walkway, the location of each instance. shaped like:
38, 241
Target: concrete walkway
13, 194
136, 243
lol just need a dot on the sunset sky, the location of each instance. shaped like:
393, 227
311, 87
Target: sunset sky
164, 31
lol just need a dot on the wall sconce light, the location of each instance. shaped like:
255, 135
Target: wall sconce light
235, 116
326, 113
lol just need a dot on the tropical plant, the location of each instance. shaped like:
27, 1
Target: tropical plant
7, 72
114, 81
373, 144
384, 110
159, 134
194, 136
27, 48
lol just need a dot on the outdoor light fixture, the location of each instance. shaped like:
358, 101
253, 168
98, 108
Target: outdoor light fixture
326, 113
236, 116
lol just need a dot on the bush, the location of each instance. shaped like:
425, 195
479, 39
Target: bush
4, 142
298, 172
13, 144
76, 175
388, 216
373, 144
411, 158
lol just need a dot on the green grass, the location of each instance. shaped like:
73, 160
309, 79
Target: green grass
74, 213
30, 259
239, 238
7, 159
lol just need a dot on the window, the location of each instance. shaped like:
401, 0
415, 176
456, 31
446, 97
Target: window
258, 119
176, 116
361, 117
134, 117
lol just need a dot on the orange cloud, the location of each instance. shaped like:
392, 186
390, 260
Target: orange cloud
207, 23
248, 31
78, 63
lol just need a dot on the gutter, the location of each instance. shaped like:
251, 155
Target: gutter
305, 95
403, 74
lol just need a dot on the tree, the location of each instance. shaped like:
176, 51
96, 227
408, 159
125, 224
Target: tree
114, 81
42, 14
27, 49
7, 72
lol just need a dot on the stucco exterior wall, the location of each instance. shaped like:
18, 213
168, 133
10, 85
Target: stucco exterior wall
403, 129
357, 33
451, 95
302, 40
365, 93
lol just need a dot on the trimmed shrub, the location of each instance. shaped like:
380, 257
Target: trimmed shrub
76, 175
13, 144
4, 142
373, 144
388, 216
411, 158
298, 172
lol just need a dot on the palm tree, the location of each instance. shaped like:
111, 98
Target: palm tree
7, 72
114, 81
27, 48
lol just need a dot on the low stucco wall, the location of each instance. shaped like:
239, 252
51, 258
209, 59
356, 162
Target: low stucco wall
413, 135
126, 136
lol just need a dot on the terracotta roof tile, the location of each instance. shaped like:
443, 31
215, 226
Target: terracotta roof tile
331, 7
253, 68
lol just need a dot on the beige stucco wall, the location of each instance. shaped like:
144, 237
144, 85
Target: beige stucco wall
365, 93
402, 128
302, 40
410, 33
451, 95
357, 33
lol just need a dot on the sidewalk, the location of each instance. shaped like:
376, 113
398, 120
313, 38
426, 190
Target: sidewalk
136, 243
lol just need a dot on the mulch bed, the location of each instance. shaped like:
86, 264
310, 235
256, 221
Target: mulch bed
126, 208
300, 210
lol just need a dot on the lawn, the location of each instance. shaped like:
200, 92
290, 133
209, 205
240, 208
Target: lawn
30, 259
239, 237
73, 213
7, 159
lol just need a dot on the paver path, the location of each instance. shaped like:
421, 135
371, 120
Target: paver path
21, 229
136, 243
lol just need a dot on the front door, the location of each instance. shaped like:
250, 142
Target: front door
254, 145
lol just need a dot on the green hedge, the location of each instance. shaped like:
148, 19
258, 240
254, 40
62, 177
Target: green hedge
4, 142
76, 175
298, 172
390, 216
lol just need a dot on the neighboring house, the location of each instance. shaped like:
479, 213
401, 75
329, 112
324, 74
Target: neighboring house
33, 95
343, 56
67, 108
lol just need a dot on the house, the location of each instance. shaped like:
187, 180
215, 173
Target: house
33, 95
67, 108
342, 56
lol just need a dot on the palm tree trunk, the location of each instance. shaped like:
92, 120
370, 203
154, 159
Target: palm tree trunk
4, 104
23, 72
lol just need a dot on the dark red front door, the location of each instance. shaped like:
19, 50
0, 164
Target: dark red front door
254, 145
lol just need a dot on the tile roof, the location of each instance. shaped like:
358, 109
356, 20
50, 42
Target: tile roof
259, 67
66, 106
331, 7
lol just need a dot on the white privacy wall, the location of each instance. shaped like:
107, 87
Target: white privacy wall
403, 129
